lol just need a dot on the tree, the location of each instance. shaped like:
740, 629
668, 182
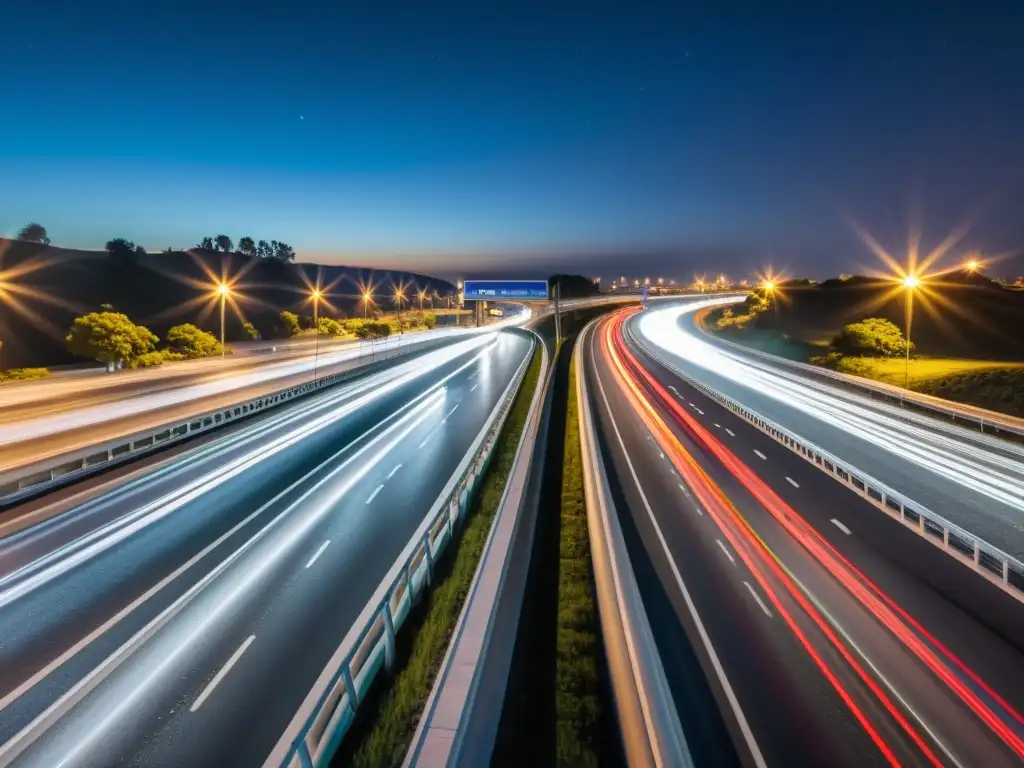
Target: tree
283, 252
873, 337
206, 244
224, 243
291, 323
251, 330
429, 320
247, 246
34, 233
119, 246
192, 342
110, 338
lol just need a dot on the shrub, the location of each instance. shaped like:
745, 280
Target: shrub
291, 323
24, 374
872, 337
192, 343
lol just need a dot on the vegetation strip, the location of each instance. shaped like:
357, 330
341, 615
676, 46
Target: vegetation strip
578, 646
387, 721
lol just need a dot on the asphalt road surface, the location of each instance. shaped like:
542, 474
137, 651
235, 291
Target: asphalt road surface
821, 631
181, 618
975, 481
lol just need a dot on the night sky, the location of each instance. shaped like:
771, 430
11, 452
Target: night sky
507, 138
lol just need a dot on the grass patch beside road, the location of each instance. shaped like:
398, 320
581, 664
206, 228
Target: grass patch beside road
388, 719
578, 646
922, 370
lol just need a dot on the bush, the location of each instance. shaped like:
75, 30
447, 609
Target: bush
327, 326
192, 343
251, 331
158, 357
24, 374
873, 337
830, 360
109, 337
429, 320
373, 329
291, 323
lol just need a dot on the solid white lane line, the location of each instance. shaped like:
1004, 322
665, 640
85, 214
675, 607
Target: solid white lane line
731, 433
374, 494
840, 526
220, 675
725, 551
792, 482
392, 472
317, 553
758, 598
761, 455
716, 664
473, 388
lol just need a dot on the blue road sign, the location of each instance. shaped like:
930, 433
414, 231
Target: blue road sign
505, 290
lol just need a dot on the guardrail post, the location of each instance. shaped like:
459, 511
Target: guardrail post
389, 634
350, 687
429, 557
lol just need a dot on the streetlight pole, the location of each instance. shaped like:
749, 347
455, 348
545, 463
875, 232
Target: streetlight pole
223, 290
910, 282
316, 330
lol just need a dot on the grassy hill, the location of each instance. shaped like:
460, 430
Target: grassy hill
50, 286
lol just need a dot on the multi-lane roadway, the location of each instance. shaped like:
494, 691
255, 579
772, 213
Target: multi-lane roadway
181, 616
822, 631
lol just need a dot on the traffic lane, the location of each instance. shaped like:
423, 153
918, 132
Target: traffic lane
316, 606
33, 440
980, 624
257, 437
778, 690
850, 391
930, 701
219, 518
994, 521
282, 609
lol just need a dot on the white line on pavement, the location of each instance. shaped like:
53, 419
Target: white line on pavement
220, 675
840, 526
318, 553
392, 472
726, 551
792, 482
758, 598
374, 494
719, 426
761, 455
473, 388
731, 433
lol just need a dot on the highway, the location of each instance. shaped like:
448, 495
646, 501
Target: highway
820, 630
51, 418
973, 480
180, 617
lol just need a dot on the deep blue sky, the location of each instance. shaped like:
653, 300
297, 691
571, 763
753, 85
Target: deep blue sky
492, 137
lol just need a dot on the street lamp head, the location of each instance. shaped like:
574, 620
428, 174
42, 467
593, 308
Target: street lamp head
316, 293
769, 285
366, 295
972, 265
910, 282
223, 289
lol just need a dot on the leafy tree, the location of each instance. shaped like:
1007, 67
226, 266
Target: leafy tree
291, 323
873, 337
121, 247
429, 319
251, 330
109, 337
224, 243
206, 244
192, 342
283, 252
263, 249
34, 233
247, 246
327, 326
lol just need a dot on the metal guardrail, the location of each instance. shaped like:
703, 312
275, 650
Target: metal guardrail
998, 567
968, 414
649, 723
326, 713
457, 727
22, 482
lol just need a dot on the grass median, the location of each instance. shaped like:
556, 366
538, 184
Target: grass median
578, 651
388, 718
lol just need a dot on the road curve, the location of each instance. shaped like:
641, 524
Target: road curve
181, 618
823, 631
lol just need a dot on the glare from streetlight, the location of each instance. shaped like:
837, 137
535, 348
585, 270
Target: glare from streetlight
224, 289
316, 294
972, 265
910, 282
769, 285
